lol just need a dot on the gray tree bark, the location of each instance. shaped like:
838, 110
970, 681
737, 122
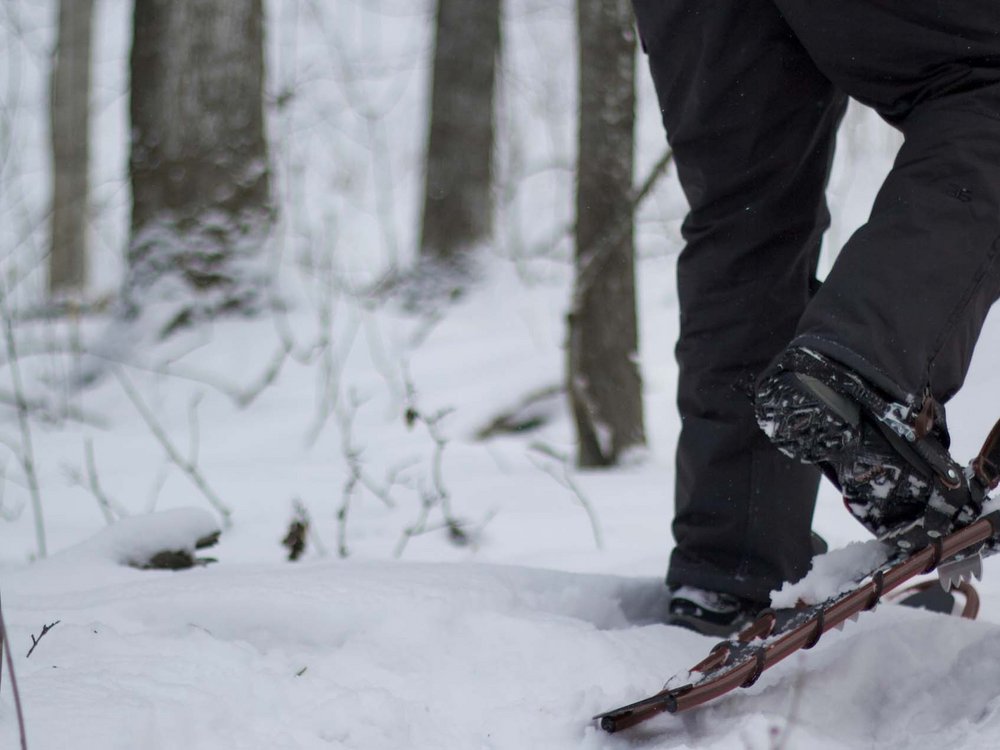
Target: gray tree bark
458, 192
604, 383
199, 165
69, 111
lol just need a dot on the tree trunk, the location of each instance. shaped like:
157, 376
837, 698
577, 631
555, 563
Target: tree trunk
604, 383
458, 199
199, 170
70, 131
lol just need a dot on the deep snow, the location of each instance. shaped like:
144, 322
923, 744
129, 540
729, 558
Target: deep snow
511, 641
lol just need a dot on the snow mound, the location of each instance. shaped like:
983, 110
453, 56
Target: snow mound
136, 540
381, 656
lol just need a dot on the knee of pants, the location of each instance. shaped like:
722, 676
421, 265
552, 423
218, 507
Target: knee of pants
896, 56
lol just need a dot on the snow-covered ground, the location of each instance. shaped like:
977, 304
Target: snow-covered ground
546, 608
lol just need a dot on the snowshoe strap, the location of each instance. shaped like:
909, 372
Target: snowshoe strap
986, 466
919, 436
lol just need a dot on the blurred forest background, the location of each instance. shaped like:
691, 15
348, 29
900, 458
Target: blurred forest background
172, 166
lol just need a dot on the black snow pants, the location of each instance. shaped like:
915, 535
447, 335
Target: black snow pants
752, 92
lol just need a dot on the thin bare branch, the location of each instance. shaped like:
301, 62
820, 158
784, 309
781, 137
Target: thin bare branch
5, 649
27, 454
560, 470
437, 496
188, 467
108, 507
194, 429
356, 473
7, 515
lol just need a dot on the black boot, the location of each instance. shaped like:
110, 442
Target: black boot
818, 411
710, 612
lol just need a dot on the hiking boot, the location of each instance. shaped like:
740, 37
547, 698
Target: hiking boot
817, 411
709, 612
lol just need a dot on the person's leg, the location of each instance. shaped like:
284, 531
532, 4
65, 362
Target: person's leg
890, 335
907, 297
752, 124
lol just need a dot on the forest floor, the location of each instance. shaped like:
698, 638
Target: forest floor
511, 639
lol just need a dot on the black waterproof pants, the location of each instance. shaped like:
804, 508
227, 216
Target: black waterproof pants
752, 92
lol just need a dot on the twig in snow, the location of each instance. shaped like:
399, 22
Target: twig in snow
437, 496
188, 467
36, 640
419, 526
356, 473
459, 532
564, 476
27, 453
298, 532
5, 649
431, 422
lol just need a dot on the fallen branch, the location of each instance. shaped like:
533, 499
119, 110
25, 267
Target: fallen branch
35, 641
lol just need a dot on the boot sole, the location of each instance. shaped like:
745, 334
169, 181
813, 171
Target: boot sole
805, 419
809, 422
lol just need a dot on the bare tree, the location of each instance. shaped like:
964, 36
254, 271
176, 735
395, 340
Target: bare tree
458, 192
603, 376
70, 133
199, 165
